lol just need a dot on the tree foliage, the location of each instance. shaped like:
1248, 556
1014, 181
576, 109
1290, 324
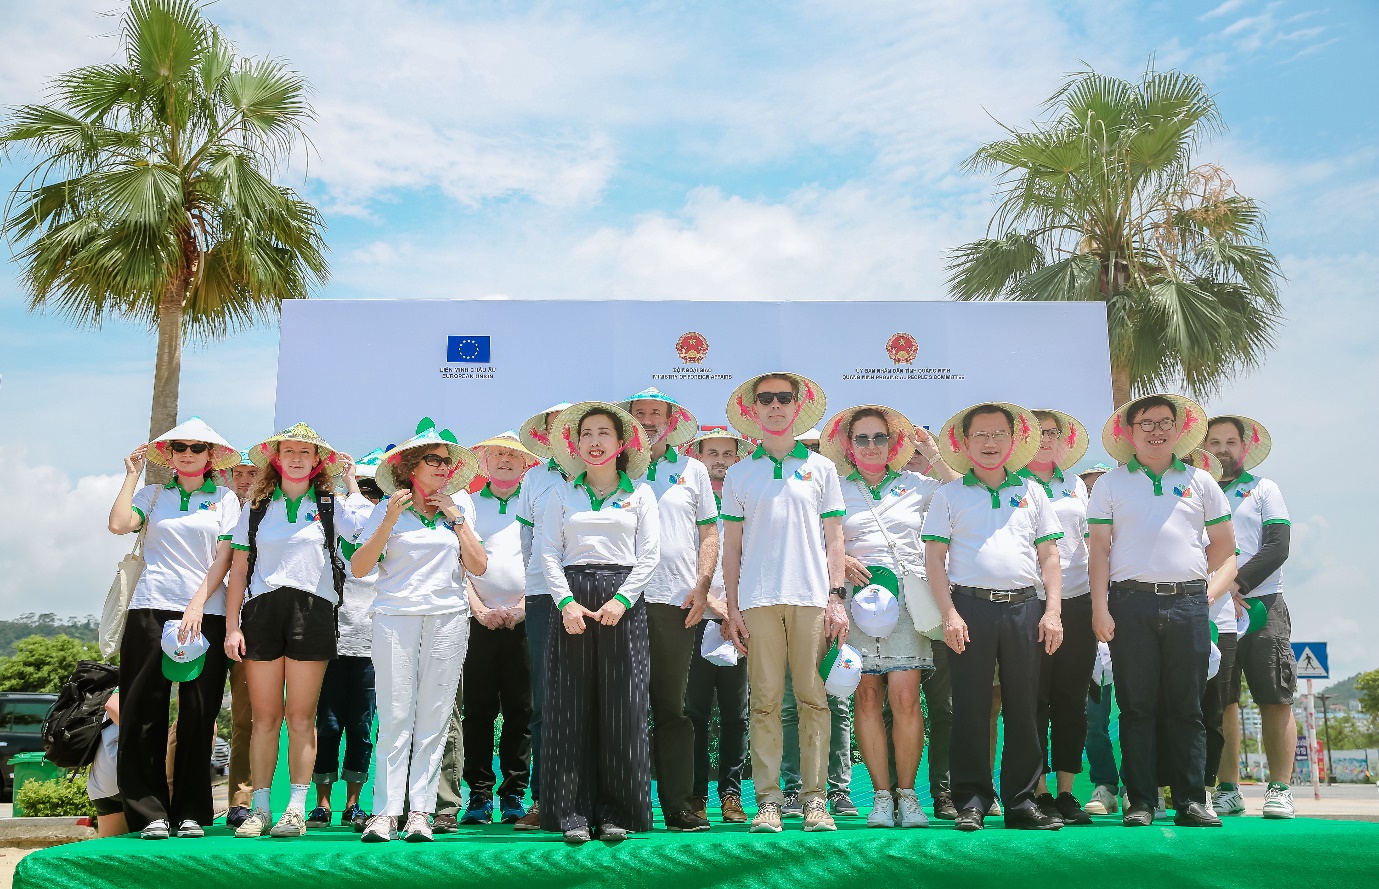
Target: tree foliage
42, 664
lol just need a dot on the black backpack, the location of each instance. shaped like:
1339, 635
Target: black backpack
72, 729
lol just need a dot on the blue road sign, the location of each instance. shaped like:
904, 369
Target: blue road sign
1312, 661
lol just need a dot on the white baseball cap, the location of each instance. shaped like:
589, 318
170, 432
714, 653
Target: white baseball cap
715, 649
841, 670
875, 610
182, 662
1213, 662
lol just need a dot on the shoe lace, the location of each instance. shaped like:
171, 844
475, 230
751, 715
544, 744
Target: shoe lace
768, 809
909, 803
816, 808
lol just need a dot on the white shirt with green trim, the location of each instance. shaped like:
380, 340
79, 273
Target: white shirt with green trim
537, 486
992, 533
504, 584
420, 573
901, 500
355, 619
290, 543
579, 529
1256, 502
185, 527
1158, 524
780, 505
685, 498
1068, 495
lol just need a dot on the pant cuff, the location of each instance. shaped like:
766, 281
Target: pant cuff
353, 777
324, 778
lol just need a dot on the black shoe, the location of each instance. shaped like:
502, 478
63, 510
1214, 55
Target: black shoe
944, 810
686, 822
1194, 814
236, 816
479, 811
1048, 807
445, 823
611, 833
1070, 810
1138, 815
842, 804
970, 819
1031, 818
319, 817
577, 836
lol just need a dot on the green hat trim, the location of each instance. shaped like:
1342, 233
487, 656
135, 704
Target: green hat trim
177, 671
1258, 614
885, 577
826, 666
1215, 632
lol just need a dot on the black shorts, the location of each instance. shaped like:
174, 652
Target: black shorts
1266, 657
108, 805
288, 623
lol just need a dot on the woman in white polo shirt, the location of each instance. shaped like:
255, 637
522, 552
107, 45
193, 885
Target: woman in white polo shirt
870, 445
186, 525
600, 544
424, 535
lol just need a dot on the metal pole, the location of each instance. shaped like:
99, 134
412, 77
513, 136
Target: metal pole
1326, 733
1313, 760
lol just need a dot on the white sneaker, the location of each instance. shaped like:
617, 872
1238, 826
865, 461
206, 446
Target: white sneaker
256, 825
291, 824
155, 830
1227, 801
418, 829
1103, 802
1210, 807
380, 829
911, 815
882, 810
1161, 809
190, 830
995, 810
1278, 801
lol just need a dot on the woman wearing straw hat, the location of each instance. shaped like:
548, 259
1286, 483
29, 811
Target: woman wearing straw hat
422, 541
871, 444
600, 544
186, 525
288, 576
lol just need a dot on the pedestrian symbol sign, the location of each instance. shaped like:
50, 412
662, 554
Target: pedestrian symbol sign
1312, 661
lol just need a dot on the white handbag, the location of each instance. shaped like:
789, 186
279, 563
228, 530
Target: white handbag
116, 609
916, 595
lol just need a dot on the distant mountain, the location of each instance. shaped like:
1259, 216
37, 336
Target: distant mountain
1342, 692
26, 625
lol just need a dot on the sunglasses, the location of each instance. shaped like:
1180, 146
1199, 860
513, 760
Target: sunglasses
765, 398
181, 447
435, 461
879, 440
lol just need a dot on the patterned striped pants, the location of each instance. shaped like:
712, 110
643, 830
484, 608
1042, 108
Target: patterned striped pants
596, 754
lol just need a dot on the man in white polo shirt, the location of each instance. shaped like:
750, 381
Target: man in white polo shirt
784, 581
1264, 656
990, 538
1159, 528
677, 594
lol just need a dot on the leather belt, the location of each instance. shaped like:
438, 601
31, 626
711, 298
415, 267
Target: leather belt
1011, 597
1179, 588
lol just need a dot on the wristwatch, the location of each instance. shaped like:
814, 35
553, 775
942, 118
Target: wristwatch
839, 591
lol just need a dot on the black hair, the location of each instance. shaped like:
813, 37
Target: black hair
983, 409
1041, 416
624, 457
863, 414
1150, 401
1234, 421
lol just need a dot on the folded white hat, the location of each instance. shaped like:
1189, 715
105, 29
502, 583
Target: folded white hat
841, 670
182, 662
715, 649
1213, 662
875, 610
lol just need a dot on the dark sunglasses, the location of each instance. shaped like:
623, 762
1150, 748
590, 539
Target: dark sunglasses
181, 447
879, 440
436, 460
765, 398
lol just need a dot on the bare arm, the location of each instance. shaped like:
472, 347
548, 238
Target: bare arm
708, 563
734, 629
123, 518
835, 613
366, 557
936, 566
1099, 572
234, 600
1051, 572
191, 617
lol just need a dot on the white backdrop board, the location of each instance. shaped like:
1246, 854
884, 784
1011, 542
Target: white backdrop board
362, 372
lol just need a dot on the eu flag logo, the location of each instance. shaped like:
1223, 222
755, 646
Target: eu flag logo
468, 350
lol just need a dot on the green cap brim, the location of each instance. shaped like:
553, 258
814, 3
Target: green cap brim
885, 577
1259, 615
1215, 633
826, 666
179, 671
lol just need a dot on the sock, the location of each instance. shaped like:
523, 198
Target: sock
297, 800
262, 800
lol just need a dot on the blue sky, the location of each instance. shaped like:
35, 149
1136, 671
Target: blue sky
803, 150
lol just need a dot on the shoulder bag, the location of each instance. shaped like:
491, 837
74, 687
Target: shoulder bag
915, 591
116, 609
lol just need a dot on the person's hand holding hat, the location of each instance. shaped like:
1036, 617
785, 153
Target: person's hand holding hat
855, 572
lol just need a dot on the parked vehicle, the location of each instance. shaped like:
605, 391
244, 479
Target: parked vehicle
21, 725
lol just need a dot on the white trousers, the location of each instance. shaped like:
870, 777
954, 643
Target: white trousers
417, 661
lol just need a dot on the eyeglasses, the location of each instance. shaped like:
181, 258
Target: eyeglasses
993, 437
181, 447
879, 440
765, 398
1048, 433
435, 461
1163, 425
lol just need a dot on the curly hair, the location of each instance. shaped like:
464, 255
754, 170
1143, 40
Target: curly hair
407, 463
270, 480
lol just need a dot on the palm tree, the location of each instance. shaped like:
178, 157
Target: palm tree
151, 198
1103, 202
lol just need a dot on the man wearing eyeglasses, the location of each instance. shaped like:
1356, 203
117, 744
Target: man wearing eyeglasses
1158, 529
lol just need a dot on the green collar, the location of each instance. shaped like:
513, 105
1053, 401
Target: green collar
1243, 479
502, 501
799, 452
669, 456
429, 523
718, 500
1011, 480
1136, 466
1048, 488
293, 503
624, 484
207, 487
891, 475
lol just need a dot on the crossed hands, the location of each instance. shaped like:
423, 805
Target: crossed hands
573, 615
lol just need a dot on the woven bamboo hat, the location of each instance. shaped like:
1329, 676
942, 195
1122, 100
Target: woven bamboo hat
1073, 440
1024, 445
1192, 426
464, 464
1257, 440
533, 432
682, 426
835, 445
742, 408
266, 451
223, 456
565, 438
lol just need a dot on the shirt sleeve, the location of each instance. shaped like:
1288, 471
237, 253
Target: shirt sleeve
647, 546
1046, 524
143, 502
1215, 507
525, 507
832, 505
1080, 489
703, 492
229, 515
938, 521
1273, 510
1099, 507
466, 506
549, 546
372, 524
239, 537
732, 509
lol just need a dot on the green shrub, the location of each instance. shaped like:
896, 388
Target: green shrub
62, 797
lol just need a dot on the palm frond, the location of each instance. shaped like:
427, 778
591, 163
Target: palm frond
988, 269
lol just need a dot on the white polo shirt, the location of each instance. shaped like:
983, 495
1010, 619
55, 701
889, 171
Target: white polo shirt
1068, 494
901, 500
717, 589
780, 505
355, 619
185, 528
291, 543
1256, 502
1158, 525
991, 534
419, 573
537, 485
684, 495
579, 529
504, 584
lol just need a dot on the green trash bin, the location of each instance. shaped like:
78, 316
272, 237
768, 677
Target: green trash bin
31, 767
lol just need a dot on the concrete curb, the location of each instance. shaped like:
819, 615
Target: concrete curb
31, 833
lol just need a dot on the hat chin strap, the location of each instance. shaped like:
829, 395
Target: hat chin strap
789, 427
606, 460
1004, 460
870, 467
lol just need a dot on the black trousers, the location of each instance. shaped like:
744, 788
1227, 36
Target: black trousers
730, 685
672, 739
346, 709
1064, 678
1004, 636
938, 702
595, 744
496, 679
1214, 703
145, 693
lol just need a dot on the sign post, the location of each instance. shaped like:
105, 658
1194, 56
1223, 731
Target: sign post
1312, 664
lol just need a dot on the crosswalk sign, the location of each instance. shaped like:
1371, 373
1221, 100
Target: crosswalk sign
1312, 661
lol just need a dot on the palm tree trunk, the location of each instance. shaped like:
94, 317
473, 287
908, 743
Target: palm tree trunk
1120, 382
167, 367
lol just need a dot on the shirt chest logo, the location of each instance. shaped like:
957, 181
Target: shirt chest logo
1182, 491
1067, 493
312, 517
900, 491
209, 506
1243, 493
1019, 502
804, 475
676, 479
621, 504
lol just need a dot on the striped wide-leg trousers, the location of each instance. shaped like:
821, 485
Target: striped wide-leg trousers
596, 753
